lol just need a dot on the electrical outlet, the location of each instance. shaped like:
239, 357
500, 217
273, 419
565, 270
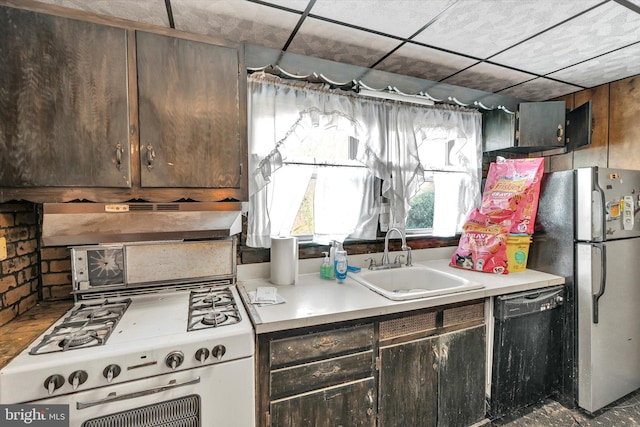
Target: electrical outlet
3, 248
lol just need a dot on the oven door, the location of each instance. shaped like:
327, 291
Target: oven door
209, 396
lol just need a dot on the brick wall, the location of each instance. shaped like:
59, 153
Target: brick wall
55, 266
19, 271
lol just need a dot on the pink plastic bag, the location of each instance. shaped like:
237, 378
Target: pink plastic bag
514, 185
483, 244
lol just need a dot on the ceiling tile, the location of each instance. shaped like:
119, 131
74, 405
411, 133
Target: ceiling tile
488, 77
423, 62
601, 30
339, 43
606, 68
149, 11
397, 18
482, 28
539, 89
238, 21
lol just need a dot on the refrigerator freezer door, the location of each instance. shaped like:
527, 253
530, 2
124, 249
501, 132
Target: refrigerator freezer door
607, 204
608, 321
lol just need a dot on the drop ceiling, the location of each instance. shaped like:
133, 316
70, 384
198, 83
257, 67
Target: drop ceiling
527, 49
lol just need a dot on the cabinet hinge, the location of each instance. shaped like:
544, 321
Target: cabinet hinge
378, 364
517, 135
240, 169
267, 419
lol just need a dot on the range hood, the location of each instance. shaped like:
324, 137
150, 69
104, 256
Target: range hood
93, 223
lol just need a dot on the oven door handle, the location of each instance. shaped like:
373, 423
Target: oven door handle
112, 397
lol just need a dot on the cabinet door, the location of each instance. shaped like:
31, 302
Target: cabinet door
409, 384
189, 113
461, 381
63, 102
351, 404
540, 124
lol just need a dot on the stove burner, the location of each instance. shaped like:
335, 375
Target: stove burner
214, 318
97, 314
78, 339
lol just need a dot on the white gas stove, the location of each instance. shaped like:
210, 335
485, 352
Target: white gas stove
128, 346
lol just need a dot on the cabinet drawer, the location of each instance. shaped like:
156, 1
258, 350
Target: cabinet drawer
311, 376
351, 404
319, 345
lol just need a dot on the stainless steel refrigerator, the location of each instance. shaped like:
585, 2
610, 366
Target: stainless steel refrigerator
588, 230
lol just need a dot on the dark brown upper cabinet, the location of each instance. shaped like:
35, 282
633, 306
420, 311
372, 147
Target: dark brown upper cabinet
535, 126
190, 123
107, 110
63, 102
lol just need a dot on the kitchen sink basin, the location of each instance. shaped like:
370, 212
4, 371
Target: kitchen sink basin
413, 282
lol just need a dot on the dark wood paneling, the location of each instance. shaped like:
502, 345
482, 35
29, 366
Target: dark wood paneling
319, 345
624, 126
189, 113
310, 376
63, 102
596, 153
408, 384
352, 404
461, 383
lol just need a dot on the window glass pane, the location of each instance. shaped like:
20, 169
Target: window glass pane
420, 216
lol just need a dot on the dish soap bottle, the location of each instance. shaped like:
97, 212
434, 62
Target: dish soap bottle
340, 264
326, 269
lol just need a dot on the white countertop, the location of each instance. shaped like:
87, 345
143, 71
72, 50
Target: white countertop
313, 301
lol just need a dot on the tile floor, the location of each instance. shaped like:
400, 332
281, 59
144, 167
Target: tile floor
622, 413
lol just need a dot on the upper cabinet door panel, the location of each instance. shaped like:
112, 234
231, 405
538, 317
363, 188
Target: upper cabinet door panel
189, 113
63, 102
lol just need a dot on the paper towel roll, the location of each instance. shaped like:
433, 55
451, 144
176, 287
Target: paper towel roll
284, 260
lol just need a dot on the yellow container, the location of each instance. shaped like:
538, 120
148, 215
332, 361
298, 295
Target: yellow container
518, 251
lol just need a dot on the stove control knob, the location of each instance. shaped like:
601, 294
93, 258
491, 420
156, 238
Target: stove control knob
218, 351
110, 372
174, 359
202, 354
53, 382
76, 378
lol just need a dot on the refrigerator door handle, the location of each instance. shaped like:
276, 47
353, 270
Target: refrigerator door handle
603, 279
600, 209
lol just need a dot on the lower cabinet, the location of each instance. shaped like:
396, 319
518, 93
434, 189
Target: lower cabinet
424, 368
318, 378
438, 380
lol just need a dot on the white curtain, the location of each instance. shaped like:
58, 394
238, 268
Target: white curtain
391, 137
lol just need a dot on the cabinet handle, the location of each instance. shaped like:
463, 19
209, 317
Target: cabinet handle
119, 152
151, 154
318, 374
370, 403
325, 343
560, 132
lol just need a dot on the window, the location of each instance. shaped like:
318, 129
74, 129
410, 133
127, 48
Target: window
323, 161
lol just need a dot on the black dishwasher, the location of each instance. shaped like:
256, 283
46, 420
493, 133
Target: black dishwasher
527, 349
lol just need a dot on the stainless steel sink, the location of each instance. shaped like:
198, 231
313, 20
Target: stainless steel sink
413, 282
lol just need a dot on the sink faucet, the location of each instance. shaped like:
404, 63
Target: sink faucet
385, 256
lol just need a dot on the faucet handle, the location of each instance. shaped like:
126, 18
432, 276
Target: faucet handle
398, 259
408, 249
372, 263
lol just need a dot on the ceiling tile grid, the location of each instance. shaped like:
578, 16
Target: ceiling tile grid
496, 46
331, 41
488, 77
401, 18
482, 28
423, 62
594, 33
233, 20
